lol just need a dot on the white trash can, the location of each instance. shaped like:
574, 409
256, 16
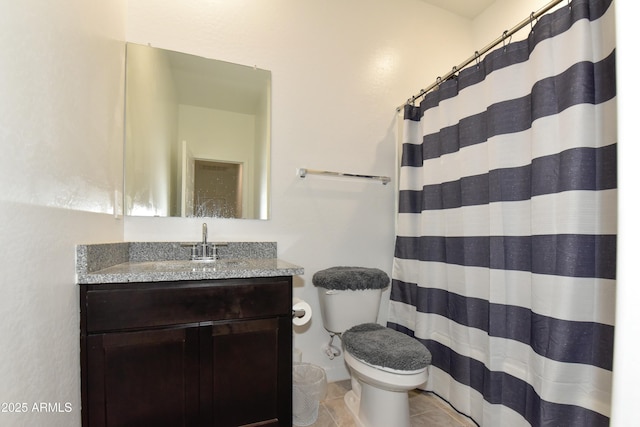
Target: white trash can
309, 388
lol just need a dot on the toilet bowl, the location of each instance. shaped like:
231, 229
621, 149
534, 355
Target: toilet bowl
384, 364
387, 378
381, 398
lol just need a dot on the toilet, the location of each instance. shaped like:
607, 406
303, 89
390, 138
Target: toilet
384, 364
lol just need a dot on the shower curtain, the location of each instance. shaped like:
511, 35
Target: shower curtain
505, 255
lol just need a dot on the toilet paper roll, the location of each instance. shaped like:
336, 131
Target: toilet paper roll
300, 305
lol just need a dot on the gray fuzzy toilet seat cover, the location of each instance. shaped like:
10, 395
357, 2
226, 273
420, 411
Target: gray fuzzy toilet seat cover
351, 278
380, 346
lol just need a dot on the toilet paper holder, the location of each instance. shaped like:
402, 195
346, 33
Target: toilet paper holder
298, 313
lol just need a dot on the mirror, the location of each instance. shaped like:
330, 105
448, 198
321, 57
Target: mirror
197, 136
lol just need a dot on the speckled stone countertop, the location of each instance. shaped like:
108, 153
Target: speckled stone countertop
169, 261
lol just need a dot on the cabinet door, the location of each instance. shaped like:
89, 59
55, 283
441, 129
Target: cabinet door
247, 380
145, 378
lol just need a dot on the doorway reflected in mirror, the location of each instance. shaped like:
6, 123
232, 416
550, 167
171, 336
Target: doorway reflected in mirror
217, 189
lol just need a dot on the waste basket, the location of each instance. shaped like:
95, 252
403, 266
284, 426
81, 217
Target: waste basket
309, 388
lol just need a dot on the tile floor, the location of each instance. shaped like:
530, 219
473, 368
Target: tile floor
426, 410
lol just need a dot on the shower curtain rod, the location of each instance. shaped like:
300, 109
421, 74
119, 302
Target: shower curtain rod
476, 56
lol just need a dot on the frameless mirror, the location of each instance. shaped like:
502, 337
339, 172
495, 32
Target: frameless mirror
197, 136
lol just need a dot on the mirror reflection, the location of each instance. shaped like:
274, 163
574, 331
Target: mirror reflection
197, 136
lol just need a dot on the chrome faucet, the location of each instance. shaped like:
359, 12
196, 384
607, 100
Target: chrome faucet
207, 251
204, 251
204, 233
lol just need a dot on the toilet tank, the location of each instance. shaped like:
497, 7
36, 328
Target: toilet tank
342, 309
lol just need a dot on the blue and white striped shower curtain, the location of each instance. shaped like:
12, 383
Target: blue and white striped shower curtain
505, 252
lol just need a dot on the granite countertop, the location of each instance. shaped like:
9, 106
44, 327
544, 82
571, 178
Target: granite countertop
160, 262
174, 270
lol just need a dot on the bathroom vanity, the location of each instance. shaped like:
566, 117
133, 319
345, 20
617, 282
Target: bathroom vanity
175, 342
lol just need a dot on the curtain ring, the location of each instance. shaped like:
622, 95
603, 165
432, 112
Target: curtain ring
504, 37
477, 55
531, 18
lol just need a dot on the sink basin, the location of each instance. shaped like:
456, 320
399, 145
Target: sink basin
218, 261
198, 264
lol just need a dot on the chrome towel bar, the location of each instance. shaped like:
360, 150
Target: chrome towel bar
303, 172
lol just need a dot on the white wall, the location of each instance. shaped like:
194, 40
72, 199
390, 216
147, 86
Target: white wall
152, 126
339, 70
225, 136
60, 133
626, 370
262, 147
503, 15
61, 98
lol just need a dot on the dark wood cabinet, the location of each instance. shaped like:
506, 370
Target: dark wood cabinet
200, 353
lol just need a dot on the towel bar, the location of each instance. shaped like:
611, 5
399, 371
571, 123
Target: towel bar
303, 172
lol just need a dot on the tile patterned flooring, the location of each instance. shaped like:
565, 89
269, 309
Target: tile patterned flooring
426, 410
